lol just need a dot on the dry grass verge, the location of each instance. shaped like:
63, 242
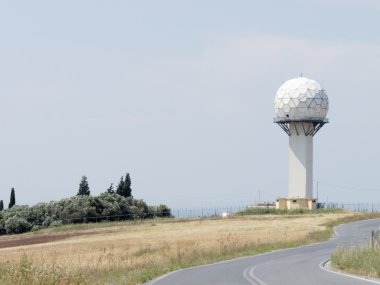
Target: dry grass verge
131, 253
358, 261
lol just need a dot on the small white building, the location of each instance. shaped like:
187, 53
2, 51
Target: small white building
301, 107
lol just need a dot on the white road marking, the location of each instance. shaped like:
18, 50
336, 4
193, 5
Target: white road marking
247, 277
251, 278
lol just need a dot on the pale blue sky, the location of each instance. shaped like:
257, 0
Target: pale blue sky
180, 94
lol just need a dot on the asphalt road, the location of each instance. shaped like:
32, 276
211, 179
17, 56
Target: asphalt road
297, 266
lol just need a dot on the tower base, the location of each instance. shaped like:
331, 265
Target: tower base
296, 203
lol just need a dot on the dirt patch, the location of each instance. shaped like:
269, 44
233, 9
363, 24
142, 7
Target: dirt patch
42, 239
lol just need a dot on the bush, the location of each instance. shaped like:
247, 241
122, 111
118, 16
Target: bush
46, 223
56, 223
16, 225
163, 211
3, 231
35, 228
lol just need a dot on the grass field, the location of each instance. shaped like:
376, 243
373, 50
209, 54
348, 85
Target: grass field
134, 252
359, 261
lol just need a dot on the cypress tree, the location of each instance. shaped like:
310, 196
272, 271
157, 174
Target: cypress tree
119, 189
124, 187
84, 189
110, 189
12, 201
1, 205
127, 186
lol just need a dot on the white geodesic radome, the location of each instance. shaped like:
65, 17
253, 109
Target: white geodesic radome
301, 99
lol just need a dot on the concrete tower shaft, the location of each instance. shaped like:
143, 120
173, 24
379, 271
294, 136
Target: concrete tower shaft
301, 133
300, 162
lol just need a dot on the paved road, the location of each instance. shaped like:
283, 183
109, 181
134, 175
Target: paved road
298, 266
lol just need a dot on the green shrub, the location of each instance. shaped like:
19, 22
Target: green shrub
16, 225
163, 211
35, 228
56, 223
46, 223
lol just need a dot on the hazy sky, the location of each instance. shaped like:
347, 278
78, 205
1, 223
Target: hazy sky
180, 95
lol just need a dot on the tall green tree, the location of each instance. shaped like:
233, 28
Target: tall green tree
120, 186
12, 200
127, 186
110, 189
1, 205
124, 187
84, 189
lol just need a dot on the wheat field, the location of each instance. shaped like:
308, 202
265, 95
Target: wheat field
133, 252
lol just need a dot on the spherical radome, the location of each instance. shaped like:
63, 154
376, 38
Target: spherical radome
301, 99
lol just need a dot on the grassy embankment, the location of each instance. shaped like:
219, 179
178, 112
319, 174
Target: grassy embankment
359, 261
134, 252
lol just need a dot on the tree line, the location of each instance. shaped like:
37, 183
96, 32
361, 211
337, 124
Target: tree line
123, 188
113, 204
12, 200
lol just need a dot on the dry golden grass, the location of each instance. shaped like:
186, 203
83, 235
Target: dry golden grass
129, 253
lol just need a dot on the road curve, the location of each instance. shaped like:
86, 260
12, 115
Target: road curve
296, 266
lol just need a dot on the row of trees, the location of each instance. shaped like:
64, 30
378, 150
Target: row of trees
77, 209
123, 189
113, 204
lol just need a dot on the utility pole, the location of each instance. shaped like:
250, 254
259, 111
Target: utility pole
317, 189
259, 197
